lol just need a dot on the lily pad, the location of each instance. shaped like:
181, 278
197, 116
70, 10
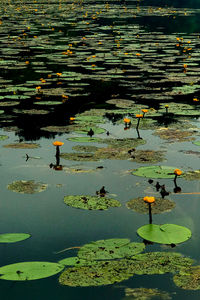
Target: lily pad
76, 261
22, 146
13, 237
86, 156
159, 206
85, 139
27, 187
174, 135
164, 234
85, 148
188, 279
145, 294
197, 143
91, 202
192, 175
110, 249
3, 137
29, 270
155, 171
147, 156
160, 263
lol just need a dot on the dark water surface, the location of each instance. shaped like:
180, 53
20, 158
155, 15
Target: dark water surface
119, 50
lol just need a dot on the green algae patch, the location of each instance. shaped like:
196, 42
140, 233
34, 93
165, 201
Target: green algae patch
110, 249
86, 156
147, 156
13, 237
164, 234
91, 202
174, 135
159, 206
192, 175
3, 137
102, 273
160, 263
29, 270
188, 279
85, 139
145, 294
155, 171
22, 146
27, 187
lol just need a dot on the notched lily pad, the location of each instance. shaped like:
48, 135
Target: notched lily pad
145, 294
29, 270
27, 187
164, 234
110, 249
91, 202
22, 146
155, 171
188, 279
159, 206
13, 237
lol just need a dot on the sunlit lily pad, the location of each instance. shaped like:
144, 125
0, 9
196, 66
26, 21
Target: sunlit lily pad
29, 270
22, 146
197, 143
13, 237
110, 249
188, 279
91, 202
164, 234
155, 171
159, 206
27, 187
76, 261
145, 294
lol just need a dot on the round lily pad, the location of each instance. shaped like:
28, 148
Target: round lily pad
110, 249
22, 146
27, 187
164, 234
155, 171
91, 202
29, 270
188, 279
159, 206
76, 261
13, 237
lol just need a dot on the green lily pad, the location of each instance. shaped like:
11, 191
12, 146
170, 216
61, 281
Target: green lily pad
188, 279
159, 206
48, 103
89, 119
91, 202
160, 263
85, 139
197, 143
76, 261
155, 171
164, 234
145, 294
85, 129
192, 175
22, 146
102, 273
13, 237
27, 187
110, 249
29, 270
3, 137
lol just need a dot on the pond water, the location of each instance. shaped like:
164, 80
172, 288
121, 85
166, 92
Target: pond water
69, 68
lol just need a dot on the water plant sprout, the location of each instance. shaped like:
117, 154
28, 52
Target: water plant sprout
149, 200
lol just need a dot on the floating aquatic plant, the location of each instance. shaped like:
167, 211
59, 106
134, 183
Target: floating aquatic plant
13, 237
155, 172
27, 187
